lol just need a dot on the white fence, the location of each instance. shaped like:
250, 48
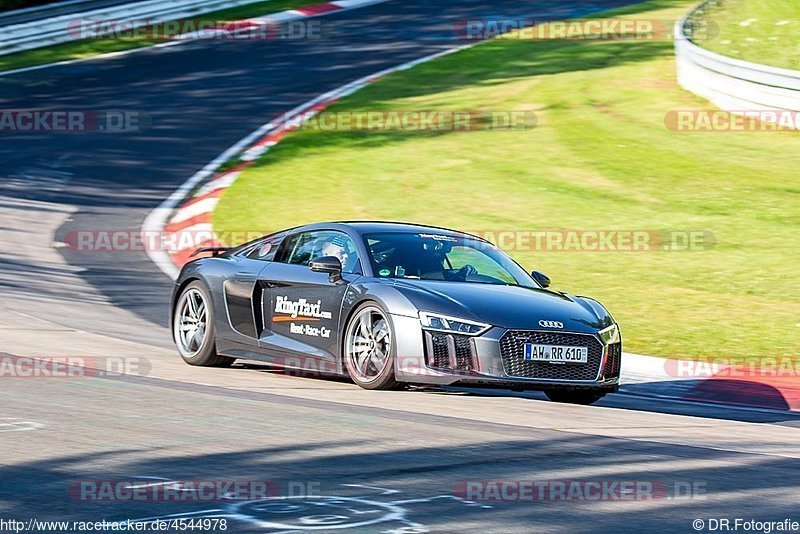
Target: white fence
61, 28
732, 84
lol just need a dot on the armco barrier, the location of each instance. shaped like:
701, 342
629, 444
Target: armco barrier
55, 29
47, 11
732, 84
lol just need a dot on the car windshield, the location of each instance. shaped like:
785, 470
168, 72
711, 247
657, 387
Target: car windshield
432, 256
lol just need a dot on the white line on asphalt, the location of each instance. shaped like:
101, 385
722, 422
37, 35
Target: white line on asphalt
109, 55
15, 425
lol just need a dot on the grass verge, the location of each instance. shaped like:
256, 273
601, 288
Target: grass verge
92, 47
600, 158
760, 31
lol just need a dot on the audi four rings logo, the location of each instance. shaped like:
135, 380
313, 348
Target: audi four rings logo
551, 324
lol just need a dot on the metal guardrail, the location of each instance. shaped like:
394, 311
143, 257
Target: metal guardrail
60, 28
732, 84
45, 11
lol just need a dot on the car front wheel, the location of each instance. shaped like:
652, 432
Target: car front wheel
369, 348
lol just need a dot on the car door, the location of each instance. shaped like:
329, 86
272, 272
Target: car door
243, 294
301, 307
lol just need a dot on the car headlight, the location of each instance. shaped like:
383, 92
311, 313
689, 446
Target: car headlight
444, 323
609, 335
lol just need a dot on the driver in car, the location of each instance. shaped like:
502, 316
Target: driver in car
338, 248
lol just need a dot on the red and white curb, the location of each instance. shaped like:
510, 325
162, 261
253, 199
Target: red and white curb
185, 218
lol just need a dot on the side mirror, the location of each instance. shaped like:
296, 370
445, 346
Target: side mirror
541, 278
326, 264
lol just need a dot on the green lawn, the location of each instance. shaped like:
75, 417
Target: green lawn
600, 158
762, 31
92, 47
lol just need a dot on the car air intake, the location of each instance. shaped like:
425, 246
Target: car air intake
613, 361
450, 352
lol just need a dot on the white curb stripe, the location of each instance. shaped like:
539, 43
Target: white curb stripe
283, 16
206, 205
191, 237
351, 4
223, 182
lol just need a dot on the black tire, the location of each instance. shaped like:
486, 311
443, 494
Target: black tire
384, 376
205, 354
577, 396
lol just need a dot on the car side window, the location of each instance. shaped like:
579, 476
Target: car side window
265, 250
310, 245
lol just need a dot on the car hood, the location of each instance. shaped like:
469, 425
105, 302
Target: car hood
505, 306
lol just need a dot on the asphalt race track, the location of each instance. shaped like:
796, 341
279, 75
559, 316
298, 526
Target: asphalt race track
349, 459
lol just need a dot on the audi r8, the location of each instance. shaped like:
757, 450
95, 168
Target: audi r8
392, 305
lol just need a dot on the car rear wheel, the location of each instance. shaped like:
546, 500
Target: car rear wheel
369, 349
574, 396
193, 328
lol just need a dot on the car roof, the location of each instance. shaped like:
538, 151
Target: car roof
368, 227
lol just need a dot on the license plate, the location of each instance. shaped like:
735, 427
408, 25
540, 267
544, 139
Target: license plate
556, 353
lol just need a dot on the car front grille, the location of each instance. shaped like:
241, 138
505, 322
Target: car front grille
614, 360
512, 351
452, 352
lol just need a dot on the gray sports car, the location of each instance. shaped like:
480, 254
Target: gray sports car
394, 304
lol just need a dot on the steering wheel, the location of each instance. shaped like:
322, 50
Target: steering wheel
465, 272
